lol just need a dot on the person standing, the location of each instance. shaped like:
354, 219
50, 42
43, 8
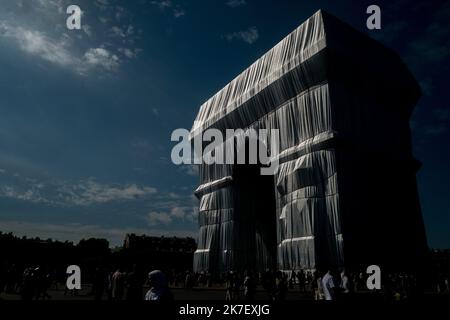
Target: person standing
229, 286
345, 282
328, 286
317, 286
281, 286
99, 283
117, 285
249, 287
134, 285
301, 280
159, 290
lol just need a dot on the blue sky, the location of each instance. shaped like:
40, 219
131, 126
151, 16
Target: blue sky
86, 115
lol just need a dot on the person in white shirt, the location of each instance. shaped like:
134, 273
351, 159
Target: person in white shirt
328, 286
159, 290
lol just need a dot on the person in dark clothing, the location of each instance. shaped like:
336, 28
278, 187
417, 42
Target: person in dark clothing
99, 284
27, 285
249, 287
281, 286
134, 285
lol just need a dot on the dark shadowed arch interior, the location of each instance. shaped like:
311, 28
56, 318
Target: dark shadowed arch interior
255, 202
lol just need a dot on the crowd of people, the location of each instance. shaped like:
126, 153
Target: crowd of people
317, 285
115, 284
120, 285
34, 283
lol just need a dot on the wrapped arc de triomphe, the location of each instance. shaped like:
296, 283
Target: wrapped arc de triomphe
345, 193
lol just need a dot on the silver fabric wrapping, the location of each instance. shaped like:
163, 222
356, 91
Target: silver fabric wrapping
341, 103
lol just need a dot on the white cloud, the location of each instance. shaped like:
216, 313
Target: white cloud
58, 51
87, 29
186, 214
164, 5
143, 202
39, 44
249, 36
48, 40
236, 3
122, 32
120, 11
103, 58
130, 53
30, 195
76, 231
190, 170
177, 12
102, 4
156, 218
90, 192
178, 212
3, 28
82, 193
53, 4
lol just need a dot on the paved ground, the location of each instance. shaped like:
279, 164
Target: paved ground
212, 294
178, 293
